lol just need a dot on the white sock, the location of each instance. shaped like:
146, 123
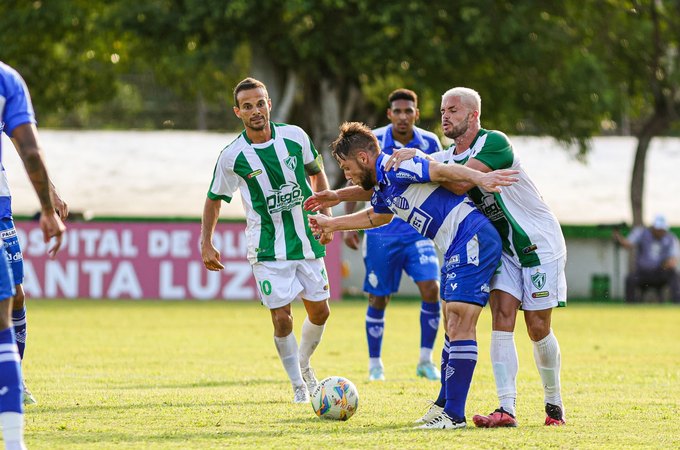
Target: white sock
505, 367
547, 356
425, 355
13, 430
309, 340
374, 362
288, 352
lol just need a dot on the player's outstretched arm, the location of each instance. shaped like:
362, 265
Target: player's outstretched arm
489, 181
360, 220
330, 198
25, 139
209, 254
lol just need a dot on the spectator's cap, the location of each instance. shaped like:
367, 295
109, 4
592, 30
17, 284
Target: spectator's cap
660, 222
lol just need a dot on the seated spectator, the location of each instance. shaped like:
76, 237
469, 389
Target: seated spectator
656, 258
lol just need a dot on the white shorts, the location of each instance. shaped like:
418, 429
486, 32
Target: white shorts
537, 288
281, 282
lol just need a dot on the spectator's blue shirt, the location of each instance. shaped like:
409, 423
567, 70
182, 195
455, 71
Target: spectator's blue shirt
424, 141
15, 109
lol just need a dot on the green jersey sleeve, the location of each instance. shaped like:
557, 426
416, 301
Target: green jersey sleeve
496, 152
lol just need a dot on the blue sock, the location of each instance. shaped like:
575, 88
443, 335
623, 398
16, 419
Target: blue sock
462, 362
19, 322
441, 399
10, 373
375, 327
429, 323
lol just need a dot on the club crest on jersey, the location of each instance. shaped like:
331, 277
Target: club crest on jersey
538, 279
291, 162
400, 202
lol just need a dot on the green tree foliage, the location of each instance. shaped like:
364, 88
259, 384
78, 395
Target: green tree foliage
553, 68
60, 50
639, 43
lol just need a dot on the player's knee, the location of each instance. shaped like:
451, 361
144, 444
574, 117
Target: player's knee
504, 319
18, 301
378, 301
320, 315
538, 326
283, 323
430, 292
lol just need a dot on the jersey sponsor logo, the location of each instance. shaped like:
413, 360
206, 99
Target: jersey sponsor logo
8, 233
424, 243
538, 279
400, 202
419, 220
287, 197
454, 286
428, 259
490, 207
529, 249
454, 259
406, 175
291, 162
254, 173
18, 256
486, 288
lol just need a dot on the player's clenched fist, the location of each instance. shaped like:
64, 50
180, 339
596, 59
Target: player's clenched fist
319, 224
211, 258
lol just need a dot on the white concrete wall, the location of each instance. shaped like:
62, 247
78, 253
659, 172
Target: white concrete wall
586, 257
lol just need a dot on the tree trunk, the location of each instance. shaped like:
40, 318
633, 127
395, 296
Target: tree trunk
655, 126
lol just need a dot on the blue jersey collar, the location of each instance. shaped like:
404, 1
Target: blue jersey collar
416, 142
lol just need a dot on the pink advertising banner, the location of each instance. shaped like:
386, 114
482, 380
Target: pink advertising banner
144, 260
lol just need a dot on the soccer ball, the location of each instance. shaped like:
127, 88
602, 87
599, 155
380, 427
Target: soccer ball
335, 398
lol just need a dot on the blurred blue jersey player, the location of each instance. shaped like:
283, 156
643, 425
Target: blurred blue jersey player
17, 120
418, 193
397, 247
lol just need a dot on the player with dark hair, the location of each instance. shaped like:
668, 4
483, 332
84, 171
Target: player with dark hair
531, 274
416, 192
396, 247
269, 164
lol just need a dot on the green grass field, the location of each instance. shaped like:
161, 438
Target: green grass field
189, 375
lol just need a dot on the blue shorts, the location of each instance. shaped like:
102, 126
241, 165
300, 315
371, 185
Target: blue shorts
12, 249
9, 234
386, 256
469, 265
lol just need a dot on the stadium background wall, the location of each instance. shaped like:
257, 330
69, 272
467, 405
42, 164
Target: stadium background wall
144, 260
159, 258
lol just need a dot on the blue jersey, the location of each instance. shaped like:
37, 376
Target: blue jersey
15, 109
424, 141
431, 209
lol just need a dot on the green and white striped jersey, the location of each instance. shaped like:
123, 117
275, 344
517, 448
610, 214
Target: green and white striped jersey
529, 230
273, 185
